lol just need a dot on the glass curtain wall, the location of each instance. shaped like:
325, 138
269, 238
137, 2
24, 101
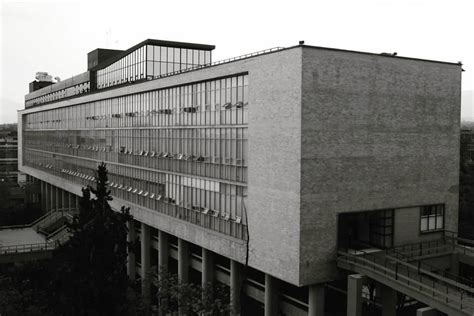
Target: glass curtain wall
180, 150
150, 61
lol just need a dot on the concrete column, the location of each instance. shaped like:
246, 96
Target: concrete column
43, 196
427, 311
389, 301
235, 284
131, 262
54, 203
354, 294
162, 252
61, 198
454, 268
77, 202
207, 274
58, 197
271, 296
47, 197
183, 260
316, 300
145, 259
69, 201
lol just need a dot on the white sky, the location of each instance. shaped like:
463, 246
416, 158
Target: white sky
56, 36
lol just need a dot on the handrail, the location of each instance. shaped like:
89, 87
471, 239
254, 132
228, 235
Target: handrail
429, 267
456, 235
49, 213
410, 282
48, 245
419, 247
459, 285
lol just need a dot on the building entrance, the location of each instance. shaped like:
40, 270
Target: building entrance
362, 229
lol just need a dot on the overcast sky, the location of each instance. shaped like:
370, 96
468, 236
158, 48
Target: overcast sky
56, 36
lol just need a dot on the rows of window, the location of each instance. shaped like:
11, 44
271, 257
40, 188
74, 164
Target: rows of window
8, 152
60, 94
150, 61
431, 218
214, 102
214, 205
209, 152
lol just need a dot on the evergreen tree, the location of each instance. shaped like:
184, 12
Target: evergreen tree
92, 279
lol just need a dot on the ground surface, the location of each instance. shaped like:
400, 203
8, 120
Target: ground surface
20, 236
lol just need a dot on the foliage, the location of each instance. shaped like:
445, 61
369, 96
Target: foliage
92, 279
19, 292
192, 299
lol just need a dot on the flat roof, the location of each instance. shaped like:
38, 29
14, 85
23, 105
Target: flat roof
387, 55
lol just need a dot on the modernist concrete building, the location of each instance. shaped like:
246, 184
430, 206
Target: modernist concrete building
255, 171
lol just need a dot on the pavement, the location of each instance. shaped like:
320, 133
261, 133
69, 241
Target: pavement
20, 236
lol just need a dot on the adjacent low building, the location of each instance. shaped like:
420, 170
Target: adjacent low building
254, 171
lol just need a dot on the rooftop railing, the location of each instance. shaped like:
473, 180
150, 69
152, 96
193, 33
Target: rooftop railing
220, 62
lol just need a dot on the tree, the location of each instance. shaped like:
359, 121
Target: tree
193, 299
92, 279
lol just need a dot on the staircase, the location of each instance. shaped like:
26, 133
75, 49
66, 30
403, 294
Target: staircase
52, 226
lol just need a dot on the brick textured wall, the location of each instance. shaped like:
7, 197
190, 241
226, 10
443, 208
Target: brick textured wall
377, 132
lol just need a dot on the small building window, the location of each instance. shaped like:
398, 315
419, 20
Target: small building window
431, 218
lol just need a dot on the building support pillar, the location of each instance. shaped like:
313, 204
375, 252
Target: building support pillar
54, 204
235, 286
131, 263
61, 199
316, 300
145, 262
162, 254
47, 197
183, 260
271, 296
389, 301
454, 268
56, 197
77, 202
354, 294
69, 201
207, 269
43, 196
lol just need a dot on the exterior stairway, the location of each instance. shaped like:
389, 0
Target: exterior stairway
51, 229
453, 296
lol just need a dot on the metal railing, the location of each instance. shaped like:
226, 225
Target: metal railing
59, 237
25, 248
405, 274
443, 275
422, 248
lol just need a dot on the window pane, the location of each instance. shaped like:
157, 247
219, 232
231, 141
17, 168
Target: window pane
431, 222
163, 54
177, 55
149, 52
424, 224
426, 210
439, 222
170, 54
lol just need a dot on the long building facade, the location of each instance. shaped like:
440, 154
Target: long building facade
254, 171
